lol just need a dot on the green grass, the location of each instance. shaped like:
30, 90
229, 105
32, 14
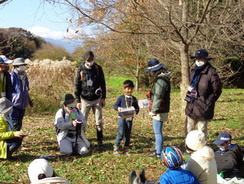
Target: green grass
100, 166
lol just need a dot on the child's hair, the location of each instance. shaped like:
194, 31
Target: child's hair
128, 83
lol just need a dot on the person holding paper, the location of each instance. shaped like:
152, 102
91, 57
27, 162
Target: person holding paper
127, 107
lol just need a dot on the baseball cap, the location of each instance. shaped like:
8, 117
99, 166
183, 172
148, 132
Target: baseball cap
222, 138
4, 59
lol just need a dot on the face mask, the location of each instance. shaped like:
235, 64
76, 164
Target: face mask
72, 105
222, 148
200, 63
89, 64
22, 68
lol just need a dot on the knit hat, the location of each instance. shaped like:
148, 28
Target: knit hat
195, 140
222, 138
154, 65
5, 105
19, 61
87, 55
67, 98
4, 59
39, 166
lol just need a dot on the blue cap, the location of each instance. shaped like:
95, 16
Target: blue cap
201, 53
222, 138
154, 65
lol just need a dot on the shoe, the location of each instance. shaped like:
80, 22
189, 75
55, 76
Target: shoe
116, 151
132, 176
100, 143
155, 155
142, 176
126, 150
13, 158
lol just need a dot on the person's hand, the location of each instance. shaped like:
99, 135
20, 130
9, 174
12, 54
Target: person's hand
103, 103
152, 114
78, 105
19, 134
74, 123
120, 109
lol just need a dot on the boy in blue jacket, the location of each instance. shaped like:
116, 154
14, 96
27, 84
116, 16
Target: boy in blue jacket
125, 123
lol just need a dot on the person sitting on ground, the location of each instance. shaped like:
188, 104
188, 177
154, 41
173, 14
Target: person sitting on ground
201, 163
10, 140
229, 157
70, 124
172, 159
40, 171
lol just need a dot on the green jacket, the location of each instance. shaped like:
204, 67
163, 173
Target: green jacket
4, 135
160, 94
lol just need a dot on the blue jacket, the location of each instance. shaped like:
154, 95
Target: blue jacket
20, 94
178, 176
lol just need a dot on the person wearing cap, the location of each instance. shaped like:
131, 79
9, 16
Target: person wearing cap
202, 162
40, 171
5, 79
229, 157
10, 140
204, 90
70, 123
20, 92
90, 91
160, 101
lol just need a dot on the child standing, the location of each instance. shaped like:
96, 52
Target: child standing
125, 123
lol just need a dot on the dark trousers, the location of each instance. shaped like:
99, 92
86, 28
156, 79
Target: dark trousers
124, 131
13, 145
17, 117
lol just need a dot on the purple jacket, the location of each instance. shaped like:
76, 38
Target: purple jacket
20, 94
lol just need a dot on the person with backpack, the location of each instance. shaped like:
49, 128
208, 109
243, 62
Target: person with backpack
70, 123
159, 97
90, 91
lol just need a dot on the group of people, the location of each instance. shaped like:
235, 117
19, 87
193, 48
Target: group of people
90, 94
14, 98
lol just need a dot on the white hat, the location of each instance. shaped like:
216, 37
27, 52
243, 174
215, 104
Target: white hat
4, 59
39, 166
195, 140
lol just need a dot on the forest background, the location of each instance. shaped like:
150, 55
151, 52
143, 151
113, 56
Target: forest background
127, 34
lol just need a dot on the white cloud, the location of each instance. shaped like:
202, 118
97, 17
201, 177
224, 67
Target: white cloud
56, 35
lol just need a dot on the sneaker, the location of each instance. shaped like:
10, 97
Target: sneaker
126, 150
155, 155
116, 151
100, 143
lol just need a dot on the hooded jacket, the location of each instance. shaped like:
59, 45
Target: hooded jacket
203, 165
209, 88
5, 129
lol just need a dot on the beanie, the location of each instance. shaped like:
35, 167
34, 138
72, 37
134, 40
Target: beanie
195, 140
39, 166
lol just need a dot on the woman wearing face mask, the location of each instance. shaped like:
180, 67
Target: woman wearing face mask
20, 92
70, 124
204, 90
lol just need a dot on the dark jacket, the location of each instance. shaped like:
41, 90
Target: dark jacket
230, 159
209, 88
160, 94
86, 90
8, 86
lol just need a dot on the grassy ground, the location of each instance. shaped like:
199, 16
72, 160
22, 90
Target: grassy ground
100, 166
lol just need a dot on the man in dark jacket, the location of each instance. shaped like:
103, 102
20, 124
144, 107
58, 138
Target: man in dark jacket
204, 90
90, 91
229, 158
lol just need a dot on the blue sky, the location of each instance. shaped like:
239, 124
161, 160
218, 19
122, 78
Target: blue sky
42, 19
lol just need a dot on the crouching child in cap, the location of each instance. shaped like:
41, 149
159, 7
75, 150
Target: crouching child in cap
70, 124
229, 157
10, 140
41, 171
201, 163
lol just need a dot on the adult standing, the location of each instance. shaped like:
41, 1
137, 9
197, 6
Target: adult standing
160, 98
90, 91
20, 92
5, 80
204, 90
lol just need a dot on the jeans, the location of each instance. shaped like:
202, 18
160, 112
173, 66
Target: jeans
17, 117
13, 145
157, 128
124, 130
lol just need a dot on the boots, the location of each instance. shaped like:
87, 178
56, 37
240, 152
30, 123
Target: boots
99, 137
126, 150
116, 151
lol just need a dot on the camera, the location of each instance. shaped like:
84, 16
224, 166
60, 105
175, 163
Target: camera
98, 92
79, 121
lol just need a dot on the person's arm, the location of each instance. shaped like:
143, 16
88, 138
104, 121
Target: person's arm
135, 104
216, 85
160, 88
77, 86
103, 83
60, 122
4, 135
117, 104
